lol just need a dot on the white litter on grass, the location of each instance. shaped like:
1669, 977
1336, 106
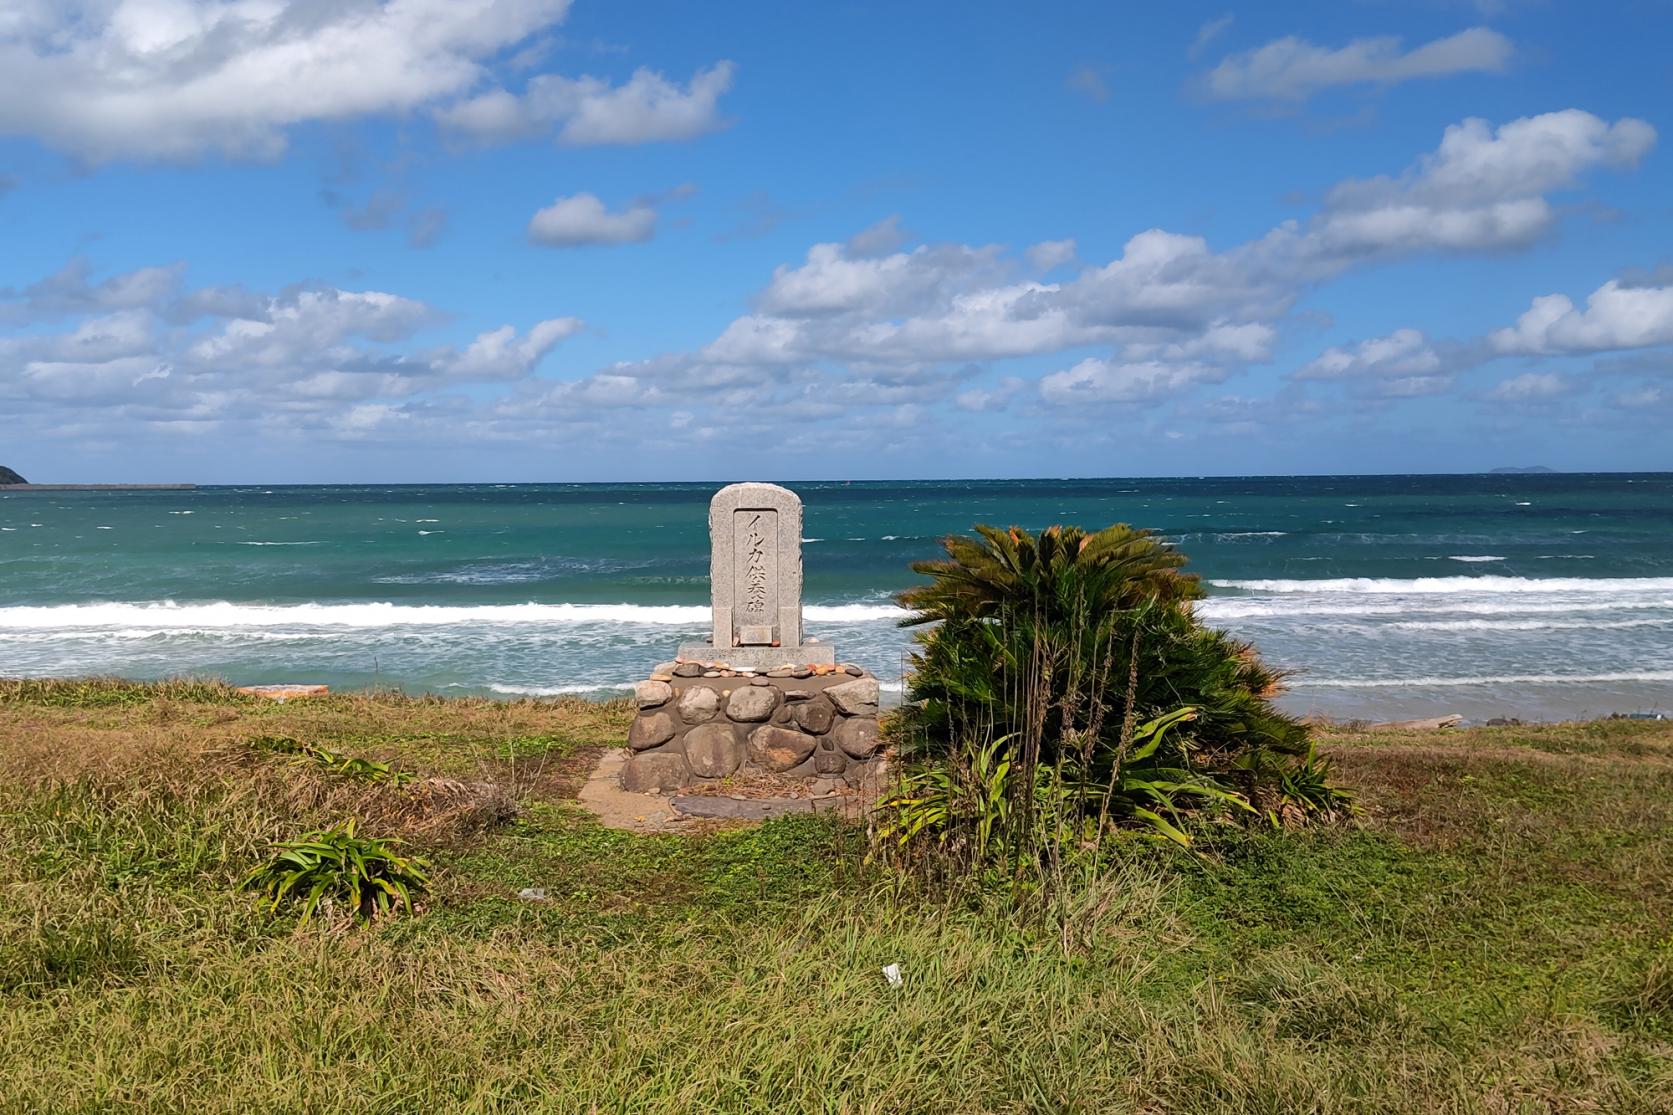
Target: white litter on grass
891, 972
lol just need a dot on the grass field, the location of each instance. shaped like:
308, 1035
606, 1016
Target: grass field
1494, 933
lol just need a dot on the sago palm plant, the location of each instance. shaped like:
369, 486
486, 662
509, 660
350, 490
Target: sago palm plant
1082, 650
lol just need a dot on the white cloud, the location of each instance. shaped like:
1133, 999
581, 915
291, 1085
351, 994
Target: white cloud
583, 219
501, 354
1402, 354
1617, 316
991, 398
1402, 365
1530, 387
1171, 309
175, 78
307, 359
880, 239
589, 111
1050, 254
1481, 190
1292, 69
1095, 382
832, 280
68, 291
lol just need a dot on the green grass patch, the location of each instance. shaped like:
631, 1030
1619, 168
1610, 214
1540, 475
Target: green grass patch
1490, 935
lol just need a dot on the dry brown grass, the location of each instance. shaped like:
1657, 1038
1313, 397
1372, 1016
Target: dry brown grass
1487, 937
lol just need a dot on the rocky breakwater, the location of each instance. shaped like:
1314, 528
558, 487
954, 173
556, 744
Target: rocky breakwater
705, 721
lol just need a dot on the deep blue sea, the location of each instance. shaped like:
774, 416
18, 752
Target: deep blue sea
1388, 596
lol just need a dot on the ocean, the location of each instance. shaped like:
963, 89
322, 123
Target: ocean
1534, 596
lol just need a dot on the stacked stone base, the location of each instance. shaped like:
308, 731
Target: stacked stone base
719, 723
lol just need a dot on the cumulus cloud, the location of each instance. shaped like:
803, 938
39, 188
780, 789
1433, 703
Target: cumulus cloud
1293, 69
1403, 353
175, 79
997, 397
502, 354
68, 291
1096, 381
1617, 316
1403, 364
853, 330
880, 239
571, 222
589, 111
1483, 189
307, 358
1171, 310
1530, 387
172, 80
1050, 254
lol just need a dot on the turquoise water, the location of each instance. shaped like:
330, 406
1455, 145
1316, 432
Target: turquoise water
1536, 596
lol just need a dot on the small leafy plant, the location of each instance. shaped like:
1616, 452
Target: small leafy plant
349, 766
353, 766
336, 865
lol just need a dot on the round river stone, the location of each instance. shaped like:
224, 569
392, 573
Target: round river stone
814, 716
752, 703
651, 694
856, 698
713, 751
858, 737
649, 731
698, 704
657, 770
828, 760
778, 749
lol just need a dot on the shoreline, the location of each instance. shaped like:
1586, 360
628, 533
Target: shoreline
603, 694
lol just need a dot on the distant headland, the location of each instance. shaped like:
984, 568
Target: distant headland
12, 481
1531, 470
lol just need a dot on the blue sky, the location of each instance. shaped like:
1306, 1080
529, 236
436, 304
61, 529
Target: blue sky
438, 240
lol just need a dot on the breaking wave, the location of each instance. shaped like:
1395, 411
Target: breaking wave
167, 614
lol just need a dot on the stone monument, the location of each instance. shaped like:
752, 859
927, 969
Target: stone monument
755, 580
757, 699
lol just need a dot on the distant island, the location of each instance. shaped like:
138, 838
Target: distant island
13, 481
1531, 470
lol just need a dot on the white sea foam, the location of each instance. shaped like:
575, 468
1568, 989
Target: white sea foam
559, 690
1527, 624
227, 614
1474, 557
1498, 679
278, 543
1439, 585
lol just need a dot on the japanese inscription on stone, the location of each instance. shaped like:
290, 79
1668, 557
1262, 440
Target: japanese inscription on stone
755, 577
756, 567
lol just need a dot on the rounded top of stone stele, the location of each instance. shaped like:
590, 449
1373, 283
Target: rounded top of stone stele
755, 488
